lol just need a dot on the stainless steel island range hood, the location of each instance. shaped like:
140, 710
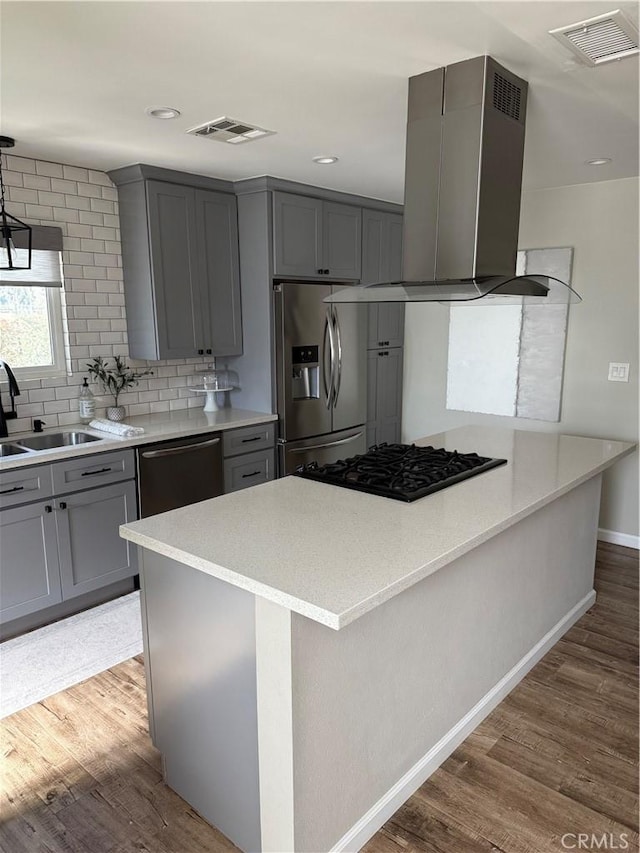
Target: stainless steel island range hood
463, 176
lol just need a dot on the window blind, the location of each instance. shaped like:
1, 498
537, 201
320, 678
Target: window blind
46, 261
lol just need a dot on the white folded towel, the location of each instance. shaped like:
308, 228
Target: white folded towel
124, 430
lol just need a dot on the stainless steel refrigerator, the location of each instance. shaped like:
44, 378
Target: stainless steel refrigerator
321, 375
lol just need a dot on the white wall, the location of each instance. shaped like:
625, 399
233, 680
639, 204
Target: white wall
600, 221
83, 203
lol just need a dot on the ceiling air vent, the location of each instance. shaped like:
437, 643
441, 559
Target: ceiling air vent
600, 39
230, 130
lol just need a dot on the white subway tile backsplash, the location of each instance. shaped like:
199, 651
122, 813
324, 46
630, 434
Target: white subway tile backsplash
65, 214
96, 177
89, 190
34, 182
22, 194
53, 170
77, 202
73, 173
59, 185
20, 164
47, 197
88, 217
38, 211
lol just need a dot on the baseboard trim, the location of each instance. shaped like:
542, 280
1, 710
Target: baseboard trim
615, 538
390, 802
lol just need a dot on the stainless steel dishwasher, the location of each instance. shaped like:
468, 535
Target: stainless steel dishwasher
179, 472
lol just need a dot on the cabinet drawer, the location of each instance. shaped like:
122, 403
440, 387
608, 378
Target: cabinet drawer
89, 471
248, 439
248, 470
24, 485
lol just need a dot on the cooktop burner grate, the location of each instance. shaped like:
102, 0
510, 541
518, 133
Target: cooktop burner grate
404, 472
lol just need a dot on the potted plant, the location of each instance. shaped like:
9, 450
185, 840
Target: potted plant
114, 380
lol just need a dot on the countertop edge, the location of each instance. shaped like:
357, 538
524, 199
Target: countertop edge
110, 443
340, 620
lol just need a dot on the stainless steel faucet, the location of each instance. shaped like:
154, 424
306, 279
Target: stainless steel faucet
14, 392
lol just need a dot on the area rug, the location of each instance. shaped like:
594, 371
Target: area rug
50, 659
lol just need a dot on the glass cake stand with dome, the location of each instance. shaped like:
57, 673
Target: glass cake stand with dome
214, 382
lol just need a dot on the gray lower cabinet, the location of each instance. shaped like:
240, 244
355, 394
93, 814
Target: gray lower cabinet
384, 396
249, 456
181, 270
92, 553
312, 237
65, 542
30, 571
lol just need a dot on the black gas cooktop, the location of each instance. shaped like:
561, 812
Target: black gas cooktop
404, 472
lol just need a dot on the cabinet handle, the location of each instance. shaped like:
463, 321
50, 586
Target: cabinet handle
326, 272
247, 440
320, 272
253, 474
62, 504
200, 352
14, 489
47, 508
97, 471
209, 352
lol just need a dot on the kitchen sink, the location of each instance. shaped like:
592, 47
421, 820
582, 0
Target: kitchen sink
55, 439
10, 450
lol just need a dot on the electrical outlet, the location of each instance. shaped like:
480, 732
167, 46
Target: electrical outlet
618, 371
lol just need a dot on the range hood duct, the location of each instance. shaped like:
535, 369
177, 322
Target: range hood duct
465, 148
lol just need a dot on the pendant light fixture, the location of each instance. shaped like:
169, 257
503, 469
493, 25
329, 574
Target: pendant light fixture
12, 230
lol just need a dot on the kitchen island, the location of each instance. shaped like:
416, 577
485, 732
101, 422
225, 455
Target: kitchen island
314, 653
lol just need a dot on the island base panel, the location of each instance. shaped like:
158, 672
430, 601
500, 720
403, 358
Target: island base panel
372, 701
199, 638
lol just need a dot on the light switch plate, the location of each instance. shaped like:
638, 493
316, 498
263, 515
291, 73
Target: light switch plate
618, 371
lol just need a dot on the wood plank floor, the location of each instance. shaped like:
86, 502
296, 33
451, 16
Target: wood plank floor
558, 756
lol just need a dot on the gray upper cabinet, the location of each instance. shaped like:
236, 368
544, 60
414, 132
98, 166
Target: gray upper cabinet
382, 261
297, 235
217, 231
315, 238
181, 270
173, 254
381, 246
29, 574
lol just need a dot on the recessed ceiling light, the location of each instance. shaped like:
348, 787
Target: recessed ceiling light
162, 112
324, 160
598, 161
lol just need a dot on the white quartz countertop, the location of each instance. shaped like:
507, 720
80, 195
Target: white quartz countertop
332, 554
159, 427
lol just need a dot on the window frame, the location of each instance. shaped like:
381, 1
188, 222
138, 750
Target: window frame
58, 369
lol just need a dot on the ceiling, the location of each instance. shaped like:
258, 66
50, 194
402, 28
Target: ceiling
329, 77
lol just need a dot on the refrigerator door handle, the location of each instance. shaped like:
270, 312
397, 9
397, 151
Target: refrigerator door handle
336, 324
329, 330
327, 444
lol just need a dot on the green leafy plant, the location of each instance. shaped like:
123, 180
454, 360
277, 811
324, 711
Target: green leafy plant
114, 380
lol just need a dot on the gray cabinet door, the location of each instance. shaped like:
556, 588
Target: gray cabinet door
29, 569
385, 325
395, 246
92, 553
297, 235
342, 236
172, 235
375, 258
218, 270
384, 395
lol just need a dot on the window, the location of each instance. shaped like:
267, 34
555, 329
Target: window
31, 338
31, 334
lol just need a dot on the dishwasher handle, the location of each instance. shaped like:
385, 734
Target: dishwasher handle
175, 451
